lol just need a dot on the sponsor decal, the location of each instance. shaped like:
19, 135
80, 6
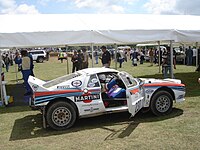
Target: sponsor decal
76, 83
35, 87
91, 109
63, 87
149, 91
93, 104
86, 98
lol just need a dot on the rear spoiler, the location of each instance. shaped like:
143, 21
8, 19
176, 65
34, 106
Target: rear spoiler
36, 84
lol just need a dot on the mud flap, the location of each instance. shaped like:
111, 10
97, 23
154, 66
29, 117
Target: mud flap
44, 122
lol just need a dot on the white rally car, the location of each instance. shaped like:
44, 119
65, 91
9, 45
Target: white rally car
83, 94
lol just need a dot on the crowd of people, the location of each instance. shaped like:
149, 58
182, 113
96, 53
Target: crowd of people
137, 56
25, 65
80, 60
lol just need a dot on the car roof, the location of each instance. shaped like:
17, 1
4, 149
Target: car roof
96, 70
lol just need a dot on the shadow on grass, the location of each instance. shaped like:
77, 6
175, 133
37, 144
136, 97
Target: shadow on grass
19, 104
189, 79
31, 126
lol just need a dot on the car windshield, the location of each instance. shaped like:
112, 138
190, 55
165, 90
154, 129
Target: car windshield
61, 79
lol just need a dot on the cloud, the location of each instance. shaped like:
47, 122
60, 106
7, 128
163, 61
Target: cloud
10, 7
103, 6
178, 7
188, 7
160, 6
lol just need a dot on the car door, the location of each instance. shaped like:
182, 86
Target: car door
134, 92
92, 103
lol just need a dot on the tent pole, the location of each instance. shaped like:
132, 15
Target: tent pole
184, 49
67, 59
1, 79
92, 47
197, 55
16, 66
171, 58
115, 56
159, 55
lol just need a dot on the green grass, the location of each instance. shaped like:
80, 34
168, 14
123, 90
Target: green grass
21, 128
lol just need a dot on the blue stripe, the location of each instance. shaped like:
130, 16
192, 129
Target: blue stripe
50, 97
179, 88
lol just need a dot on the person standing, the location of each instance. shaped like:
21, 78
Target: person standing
167, 63
7, 62
121, 57
151, 56
134, 57
141, 57
26, 69
80, 59
75, 62
61, 56
194, 50
48, 55
106, 57
189, 54
96, 56
32, 65
85, 58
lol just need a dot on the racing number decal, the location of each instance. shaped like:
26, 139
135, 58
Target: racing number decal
138, 106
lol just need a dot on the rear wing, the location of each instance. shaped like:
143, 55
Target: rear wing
36, 84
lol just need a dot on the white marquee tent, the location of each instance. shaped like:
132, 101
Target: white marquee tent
84, 29
96, 29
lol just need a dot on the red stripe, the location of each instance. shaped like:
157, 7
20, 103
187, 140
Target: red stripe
55, 92
134, 91
163, 84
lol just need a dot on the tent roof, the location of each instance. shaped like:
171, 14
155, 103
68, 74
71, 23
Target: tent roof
84, 29
77, 22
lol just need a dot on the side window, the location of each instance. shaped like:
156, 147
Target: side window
93, 81
129, 81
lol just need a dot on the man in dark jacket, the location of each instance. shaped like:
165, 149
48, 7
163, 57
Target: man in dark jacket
106, 58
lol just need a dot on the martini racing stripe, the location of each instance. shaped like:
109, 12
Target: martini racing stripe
38, 94
173, 88
164, 84
41, 97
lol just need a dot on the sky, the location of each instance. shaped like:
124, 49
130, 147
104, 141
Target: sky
158, 7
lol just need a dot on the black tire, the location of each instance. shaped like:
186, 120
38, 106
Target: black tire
161, 103
40, 59
61, 115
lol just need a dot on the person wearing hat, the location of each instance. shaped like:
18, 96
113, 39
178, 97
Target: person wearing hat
106, 58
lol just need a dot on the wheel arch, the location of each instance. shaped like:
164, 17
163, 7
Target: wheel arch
62, 99
165, 88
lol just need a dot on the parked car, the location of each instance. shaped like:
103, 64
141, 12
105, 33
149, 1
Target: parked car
180, 55
38, 55
82, 94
